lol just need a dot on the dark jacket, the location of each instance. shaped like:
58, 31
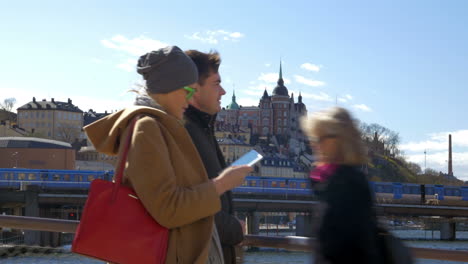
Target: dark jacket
200, 126
347, 221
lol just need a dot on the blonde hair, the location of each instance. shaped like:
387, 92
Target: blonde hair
337, 122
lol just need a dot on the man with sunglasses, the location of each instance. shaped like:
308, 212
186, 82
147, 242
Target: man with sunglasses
200, 118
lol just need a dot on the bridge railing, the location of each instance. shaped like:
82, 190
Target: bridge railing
292, 243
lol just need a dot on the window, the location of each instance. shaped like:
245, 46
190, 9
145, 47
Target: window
253, 183
303, 185
90, 178
7, 176
56, 177
31, 176
282, 184
285, 114
274, 184
21, 176
66, 177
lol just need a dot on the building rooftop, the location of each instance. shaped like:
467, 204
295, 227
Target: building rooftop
91, 116
32, 142
50, 105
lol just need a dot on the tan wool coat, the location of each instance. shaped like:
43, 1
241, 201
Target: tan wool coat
166, 172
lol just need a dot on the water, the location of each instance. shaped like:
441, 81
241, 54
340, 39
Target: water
268, 256
259, 257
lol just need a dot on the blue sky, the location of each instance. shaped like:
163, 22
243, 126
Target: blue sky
401, 64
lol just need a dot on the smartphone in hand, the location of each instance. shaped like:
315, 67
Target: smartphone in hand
249, 158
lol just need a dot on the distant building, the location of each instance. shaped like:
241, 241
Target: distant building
91, 116
89, 153
88, 158
36, 153
7, 116
8, 130
275, 116
233, 133
51, 119
232, 148
280, 167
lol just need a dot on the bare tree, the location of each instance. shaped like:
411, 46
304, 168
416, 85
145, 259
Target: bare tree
67, 132
7, 106
414, 167
393, 140
388, 138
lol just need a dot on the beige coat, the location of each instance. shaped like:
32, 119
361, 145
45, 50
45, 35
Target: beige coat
166, 172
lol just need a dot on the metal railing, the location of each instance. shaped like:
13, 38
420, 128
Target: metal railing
292, 243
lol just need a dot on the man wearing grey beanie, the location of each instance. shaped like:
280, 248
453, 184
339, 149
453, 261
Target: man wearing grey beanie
163, 165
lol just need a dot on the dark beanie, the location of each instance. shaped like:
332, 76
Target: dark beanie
167, 69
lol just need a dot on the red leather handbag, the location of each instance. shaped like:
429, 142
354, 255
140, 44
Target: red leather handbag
115, 227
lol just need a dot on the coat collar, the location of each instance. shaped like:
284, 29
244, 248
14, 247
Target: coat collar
205, 119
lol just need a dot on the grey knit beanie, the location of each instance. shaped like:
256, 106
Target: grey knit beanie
167, 69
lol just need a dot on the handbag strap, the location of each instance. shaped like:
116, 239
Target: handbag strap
123, 159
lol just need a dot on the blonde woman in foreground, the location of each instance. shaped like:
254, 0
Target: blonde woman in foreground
347, 226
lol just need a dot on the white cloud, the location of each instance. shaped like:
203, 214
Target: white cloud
215, 36
246, 101
436, 147
255, 90
311, 67
318, 97
439, 141
132, 47
438, 162
424, 145
128, 65
309, 82
362, 107
272, 78
267, 64
255, 93
135, 47
345, 98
